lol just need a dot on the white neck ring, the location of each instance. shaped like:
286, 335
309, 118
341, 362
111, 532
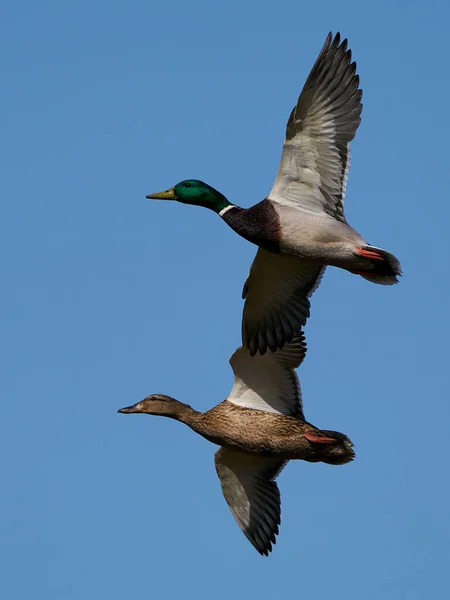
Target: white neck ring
226, 209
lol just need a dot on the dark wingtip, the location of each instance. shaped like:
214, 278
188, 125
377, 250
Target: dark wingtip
266, 550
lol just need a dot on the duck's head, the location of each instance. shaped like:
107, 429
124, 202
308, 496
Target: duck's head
157, 404
193, 191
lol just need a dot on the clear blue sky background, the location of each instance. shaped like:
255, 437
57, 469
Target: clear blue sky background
107, 297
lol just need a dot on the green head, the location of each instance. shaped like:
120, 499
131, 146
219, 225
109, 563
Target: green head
193, 191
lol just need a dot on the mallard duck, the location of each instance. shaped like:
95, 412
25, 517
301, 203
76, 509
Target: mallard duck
260, 426
300, 227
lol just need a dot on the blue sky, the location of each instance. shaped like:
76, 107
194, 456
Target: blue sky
108, 297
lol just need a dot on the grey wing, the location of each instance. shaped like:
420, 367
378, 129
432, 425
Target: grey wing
276, 294
268, 382
316, 156
248, 484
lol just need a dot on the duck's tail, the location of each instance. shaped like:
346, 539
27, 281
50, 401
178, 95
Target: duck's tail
331, 447
384, 267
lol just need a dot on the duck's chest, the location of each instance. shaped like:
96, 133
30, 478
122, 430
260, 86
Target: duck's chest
258, 224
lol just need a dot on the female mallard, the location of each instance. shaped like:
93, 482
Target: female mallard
300, 227
260, 426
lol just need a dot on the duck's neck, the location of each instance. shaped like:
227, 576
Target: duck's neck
212, 199
232, 215
227, 208
194, 419
190, 417
183, 413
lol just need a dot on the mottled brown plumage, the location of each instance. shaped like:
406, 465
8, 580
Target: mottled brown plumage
259, 427
251, 431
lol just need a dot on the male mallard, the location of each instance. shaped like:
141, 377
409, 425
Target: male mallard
260, 426
300, 227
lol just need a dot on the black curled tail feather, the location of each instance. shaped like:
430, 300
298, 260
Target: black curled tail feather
385, 271
338, 454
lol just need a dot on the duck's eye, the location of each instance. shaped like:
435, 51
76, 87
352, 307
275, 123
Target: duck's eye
187, 185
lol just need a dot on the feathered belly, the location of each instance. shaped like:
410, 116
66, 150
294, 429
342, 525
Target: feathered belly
320, 239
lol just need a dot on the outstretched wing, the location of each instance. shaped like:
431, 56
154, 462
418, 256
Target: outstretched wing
277, 294
248, 484
316, 157
269, 382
